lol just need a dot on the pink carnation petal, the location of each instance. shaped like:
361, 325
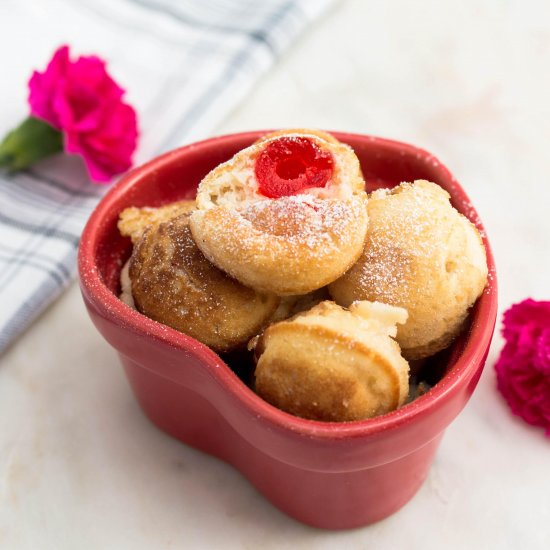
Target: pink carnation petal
108, 152
541, 360
91, 91
91, 72
523, 368
98, 173
526, 313
42, 87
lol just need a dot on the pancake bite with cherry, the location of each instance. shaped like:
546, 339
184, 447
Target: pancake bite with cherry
286, 215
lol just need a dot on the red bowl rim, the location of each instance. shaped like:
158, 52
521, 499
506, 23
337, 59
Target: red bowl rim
467, 365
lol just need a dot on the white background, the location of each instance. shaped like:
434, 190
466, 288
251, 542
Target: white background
81, 467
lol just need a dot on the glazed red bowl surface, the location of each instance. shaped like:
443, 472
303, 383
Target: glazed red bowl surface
330, 475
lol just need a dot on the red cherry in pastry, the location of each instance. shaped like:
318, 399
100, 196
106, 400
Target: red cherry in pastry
289, 165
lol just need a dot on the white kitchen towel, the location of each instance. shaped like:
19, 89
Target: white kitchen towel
185, 65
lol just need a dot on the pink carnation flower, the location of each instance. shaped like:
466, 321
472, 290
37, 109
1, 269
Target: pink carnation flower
80, 99
523, 368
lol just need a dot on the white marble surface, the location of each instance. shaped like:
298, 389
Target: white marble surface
80, 466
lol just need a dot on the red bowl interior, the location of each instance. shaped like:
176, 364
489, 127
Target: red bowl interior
176, 175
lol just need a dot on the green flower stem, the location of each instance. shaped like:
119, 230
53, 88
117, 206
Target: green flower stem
31, 141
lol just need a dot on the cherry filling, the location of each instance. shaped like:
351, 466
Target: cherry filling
289, 165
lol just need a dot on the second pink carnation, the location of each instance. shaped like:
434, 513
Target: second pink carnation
523, 368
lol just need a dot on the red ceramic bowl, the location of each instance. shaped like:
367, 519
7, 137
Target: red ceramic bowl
330, 475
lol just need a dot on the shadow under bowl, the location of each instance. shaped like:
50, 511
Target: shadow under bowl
326, 474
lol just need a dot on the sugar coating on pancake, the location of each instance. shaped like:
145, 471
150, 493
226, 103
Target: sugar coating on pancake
173, 283
422, 255
292, 245
133, 221
334, 364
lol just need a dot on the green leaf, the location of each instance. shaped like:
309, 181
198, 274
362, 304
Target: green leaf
31, 141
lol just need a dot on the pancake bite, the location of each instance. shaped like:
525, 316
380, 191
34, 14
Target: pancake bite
334, 364
422, 255
133, 221
287, 215
173, 283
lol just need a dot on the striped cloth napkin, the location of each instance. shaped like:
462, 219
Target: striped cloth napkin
185, 65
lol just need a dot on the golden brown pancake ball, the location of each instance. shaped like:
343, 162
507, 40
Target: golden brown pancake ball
334, 364
173, 283
422, 255
133, 221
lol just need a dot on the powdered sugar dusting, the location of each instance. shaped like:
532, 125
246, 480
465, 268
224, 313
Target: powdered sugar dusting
304, 220
399, 233
288, 245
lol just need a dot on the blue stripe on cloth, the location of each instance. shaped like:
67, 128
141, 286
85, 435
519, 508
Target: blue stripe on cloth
260, 35
12, 259
36, 229
35, 236
20, 193
11, 255
32, 306
57, 184
197, 109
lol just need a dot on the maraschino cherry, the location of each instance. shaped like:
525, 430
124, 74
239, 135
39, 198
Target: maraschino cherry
289, 165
